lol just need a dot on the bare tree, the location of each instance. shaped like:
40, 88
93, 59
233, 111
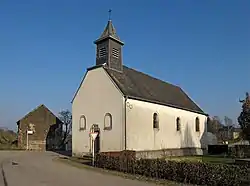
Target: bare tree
218, 129
214, 125
229, 124
228, 121
66, 117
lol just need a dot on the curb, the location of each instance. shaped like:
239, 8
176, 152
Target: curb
4, 175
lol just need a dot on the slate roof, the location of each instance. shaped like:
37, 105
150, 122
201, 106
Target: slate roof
140, 86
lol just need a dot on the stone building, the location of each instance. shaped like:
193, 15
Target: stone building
46, 130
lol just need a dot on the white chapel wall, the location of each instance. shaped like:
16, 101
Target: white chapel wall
96, 97
141, 135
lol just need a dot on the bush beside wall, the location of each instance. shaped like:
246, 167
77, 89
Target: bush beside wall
185, 172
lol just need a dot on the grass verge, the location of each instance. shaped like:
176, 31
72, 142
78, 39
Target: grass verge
204, 159
82, 164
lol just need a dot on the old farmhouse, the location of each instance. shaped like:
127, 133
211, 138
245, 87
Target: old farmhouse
46, 130
131, 110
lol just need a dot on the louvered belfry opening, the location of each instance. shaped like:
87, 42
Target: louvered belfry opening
109, 49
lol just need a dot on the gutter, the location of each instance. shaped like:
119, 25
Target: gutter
125, 123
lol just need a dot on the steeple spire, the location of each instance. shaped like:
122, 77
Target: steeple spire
109, 32
109, 47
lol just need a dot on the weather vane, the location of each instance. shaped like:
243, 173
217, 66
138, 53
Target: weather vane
110, 14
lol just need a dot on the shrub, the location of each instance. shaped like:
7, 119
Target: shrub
187, 172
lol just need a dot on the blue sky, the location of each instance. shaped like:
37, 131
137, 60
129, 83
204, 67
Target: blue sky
46, 46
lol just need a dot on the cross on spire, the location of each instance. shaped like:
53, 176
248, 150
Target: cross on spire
109, 31
110, 14
109, 47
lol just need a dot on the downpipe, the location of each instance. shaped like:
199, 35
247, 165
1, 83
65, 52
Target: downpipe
125, 123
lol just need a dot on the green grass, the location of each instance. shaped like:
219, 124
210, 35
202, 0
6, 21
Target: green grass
80, 163
205, 159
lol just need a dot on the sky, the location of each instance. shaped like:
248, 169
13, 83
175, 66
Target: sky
46, 46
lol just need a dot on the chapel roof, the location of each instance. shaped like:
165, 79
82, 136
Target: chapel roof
140, 86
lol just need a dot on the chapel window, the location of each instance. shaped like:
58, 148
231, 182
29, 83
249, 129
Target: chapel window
197, 124
178, 124
108, 121
82, 123
155, 121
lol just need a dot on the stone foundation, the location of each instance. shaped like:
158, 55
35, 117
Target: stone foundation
170, 152
122, 154
151, 154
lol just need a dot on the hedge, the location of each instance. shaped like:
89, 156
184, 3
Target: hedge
186, 172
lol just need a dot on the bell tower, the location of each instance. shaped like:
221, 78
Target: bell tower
109, 48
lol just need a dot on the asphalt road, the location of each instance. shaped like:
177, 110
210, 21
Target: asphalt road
21, 168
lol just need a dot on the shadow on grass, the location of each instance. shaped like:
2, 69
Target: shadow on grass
64, 153
205, 159
83, 161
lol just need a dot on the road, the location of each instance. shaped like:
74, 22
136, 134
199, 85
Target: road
20, 168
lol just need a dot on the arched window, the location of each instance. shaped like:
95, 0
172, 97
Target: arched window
155, 121
178, 124
108, 121
197, 124
82, 123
